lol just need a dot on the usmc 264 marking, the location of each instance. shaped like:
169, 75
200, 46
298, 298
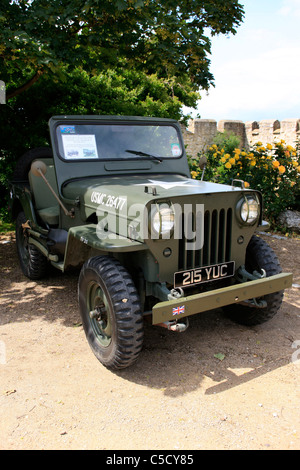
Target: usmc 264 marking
108, 200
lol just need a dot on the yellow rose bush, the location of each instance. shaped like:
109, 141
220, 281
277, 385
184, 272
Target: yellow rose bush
273, 169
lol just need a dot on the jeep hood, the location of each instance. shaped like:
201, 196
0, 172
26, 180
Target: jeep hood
112, 191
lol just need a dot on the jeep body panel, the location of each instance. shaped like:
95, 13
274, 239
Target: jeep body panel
127, 204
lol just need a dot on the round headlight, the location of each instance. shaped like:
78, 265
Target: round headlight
249, 210
162, 221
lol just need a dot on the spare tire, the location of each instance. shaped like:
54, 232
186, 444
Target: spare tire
24, 163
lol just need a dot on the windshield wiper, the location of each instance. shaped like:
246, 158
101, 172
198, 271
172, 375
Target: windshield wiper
143, 154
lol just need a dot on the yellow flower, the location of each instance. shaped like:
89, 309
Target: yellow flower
275, 164
253, 163
246, 184
194, 174
232, 161
228, 165
227, 155
298, 169
237, 151
223, 159
281, 169
259, 144
269, 147
295, 164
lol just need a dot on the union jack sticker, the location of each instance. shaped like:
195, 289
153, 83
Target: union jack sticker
178, 310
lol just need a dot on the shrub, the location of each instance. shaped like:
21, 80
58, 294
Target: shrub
272, 169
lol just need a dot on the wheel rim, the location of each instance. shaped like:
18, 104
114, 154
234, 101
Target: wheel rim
99, 314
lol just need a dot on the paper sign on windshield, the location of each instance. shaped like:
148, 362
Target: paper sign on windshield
79, 146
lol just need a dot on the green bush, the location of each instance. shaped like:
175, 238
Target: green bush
272, 169
227, 141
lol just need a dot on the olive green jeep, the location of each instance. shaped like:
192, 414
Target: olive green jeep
114, 197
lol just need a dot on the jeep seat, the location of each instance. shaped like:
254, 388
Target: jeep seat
46, 205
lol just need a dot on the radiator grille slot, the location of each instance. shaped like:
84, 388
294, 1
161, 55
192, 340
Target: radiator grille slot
217, 241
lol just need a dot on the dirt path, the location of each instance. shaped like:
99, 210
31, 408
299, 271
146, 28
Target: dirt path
54, 394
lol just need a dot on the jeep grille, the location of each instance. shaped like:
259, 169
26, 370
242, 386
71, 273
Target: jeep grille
217, 241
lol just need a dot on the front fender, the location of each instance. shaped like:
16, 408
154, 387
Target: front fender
84, 242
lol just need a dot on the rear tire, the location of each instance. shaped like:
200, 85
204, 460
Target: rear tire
110, 311
259, 256
33, 263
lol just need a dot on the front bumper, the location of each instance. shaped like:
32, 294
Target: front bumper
187, 306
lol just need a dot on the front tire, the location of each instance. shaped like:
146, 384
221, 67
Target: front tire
259, 256
110, 311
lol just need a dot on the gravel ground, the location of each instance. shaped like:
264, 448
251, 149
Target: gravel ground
216, 386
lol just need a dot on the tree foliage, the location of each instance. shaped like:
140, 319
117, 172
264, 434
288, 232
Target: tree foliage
142, 57
165, 37
23, 121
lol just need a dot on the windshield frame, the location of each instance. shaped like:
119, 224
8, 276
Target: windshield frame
119, 122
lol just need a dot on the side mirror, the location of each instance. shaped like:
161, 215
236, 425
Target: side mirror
38, 168
202, 163
202, 166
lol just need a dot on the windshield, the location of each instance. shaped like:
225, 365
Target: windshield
118, 141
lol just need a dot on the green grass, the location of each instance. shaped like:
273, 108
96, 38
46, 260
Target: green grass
6, 226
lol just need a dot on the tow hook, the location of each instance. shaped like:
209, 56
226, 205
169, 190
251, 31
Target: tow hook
243, 275
175, 326
176, 294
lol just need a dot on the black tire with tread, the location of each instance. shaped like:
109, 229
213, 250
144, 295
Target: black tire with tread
124, 312
33, 263
24, 162
259, 256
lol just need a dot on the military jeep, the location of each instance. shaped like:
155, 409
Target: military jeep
115, 198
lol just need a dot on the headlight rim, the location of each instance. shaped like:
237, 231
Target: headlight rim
245, 199
156, 210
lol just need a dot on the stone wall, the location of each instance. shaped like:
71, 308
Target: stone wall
270, 131
201, 132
